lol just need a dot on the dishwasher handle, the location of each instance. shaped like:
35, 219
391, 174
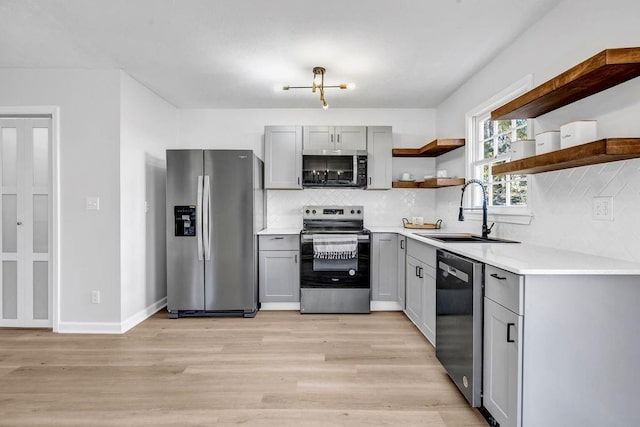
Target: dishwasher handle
448, 270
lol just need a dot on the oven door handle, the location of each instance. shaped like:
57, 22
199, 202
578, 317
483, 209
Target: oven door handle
309, 237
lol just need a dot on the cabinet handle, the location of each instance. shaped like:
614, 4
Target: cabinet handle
509, 339
277, 238
331, 138
417, 274
338, 138
295, 258
495, 276
298, 180
369, 180
421, 276
401, 244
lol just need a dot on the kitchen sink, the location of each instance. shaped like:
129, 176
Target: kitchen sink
464, 238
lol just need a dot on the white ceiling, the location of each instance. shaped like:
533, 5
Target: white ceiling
233, 53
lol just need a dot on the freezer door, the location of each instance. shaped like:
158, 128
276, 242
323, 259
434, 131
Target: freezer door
230, 284
185, 272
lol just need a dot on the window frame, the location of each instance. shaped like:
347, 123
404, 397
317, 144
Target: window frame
513, 214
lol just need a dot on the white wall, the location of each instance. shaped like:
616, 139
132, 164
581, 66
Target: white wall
89, 156
147, 126
244, 128
561, 201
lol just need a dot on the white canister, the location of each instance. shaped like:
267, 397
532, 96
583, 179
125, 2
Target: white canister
576, 133
523, 148
547, 142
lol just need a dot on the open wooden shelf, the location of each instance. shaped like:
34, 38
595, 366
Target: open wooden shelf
602, 71
430, 183
432, 149
601, 151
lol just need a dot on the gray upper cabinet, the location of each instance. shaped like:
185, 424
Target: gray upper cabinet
283, 157
335, 138
379, 146
384, 267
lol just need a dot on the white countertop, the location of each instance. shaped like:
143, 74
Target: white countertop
273, 231
524, 258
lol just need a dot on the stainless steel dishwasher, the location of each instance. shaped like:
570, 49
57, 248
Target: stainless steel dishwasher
459, 292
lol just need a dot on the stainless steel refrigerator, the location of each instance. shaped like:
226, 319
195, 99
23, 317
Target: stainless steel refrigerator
215, 207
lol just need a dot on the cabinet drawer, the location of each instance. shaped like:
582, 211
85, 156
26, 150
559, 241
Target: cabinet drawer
279, 242
505, 288
422, 251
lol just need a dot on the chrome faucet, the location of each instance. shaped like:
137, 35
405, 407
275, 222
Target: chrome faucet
485, 229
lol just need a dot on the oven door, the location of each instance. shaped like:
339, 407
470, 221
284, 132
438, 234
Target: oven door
327, 273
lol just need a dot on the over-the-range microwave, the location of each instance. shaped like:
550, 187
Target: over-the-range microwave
334, 168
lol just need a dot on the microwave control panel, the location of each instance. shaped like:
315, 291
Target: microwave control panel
185, 220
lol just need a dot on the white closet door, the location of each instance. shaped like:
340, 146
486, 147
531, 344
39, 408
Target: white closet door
25, 234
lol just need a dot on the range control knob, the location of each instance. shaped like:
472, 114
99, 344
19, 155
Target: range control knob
307, 211
352, 211
359, 212
313, 211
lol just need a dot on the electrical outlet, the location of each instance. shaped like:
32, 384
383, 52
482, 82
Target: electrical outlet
93, 203
95, 297
603, 208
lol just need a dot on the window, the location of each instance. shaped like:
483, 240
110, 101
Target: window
492, 145
489, 143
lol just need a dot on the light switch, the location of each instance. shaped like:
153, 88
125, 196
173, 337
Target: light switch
93, 203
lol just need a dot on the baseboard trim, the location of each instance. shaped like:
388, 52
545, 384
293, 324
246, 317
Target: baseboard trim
89, 328
269, 306
143, 315
111, 327
385, 306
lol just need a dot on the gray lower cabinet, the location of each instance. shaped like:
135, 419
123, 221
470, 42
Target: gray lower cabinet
402, 268
384, 267
283, 157
503, 338
279, 268
420, 298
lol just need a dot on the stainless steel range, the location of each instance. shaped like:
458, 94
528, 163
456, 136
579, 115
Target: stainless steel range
335, 251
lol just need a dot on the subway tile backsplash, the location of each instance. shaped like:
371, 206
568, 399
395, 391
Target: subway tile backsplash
381, 207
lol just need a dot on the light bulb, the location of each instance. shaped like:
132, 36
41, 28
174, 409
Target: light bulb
351, 85
325, 105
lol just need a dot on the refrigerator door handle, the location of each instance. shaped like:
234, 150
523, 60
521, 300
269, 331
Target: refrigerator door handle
199, 228
206, 218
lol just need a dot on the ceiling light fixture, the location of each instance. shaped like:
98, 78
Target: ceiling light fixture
318, 84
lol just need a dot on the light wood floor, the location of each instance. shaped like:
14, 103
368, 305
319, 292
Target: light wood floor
280, 369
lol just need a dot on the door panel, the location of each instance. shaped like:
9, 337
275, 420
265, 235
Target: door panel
185, 272
229, 273
9, 223
9, 290
25, 145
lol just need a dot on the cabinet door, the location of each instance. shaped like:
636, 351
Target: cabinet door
414, 291
379, 147
350, 138
402, 268
384, 267
279, 276
283, 157
502, 365
318, 138
428, 320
